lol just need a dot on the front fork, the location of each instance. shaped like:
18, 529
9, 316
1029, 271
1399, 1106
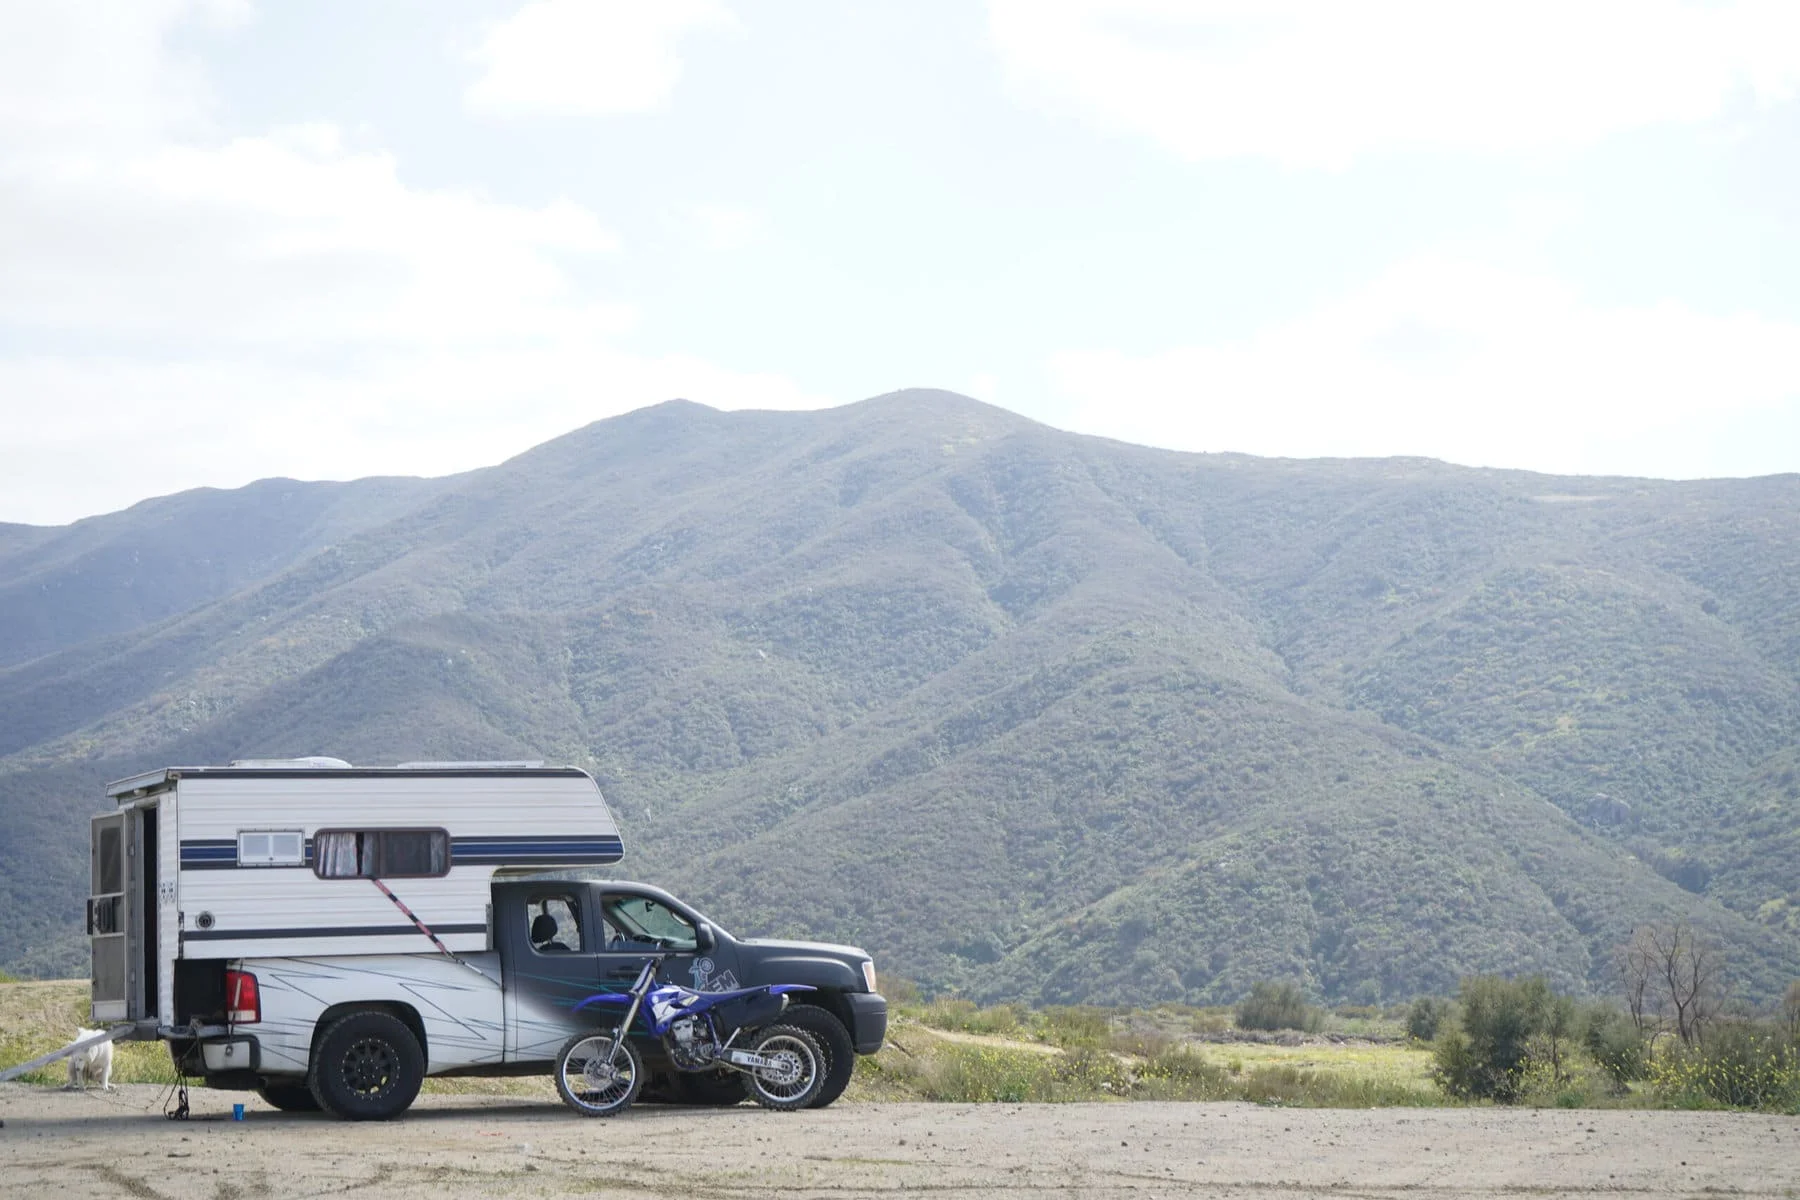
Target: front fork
639, 990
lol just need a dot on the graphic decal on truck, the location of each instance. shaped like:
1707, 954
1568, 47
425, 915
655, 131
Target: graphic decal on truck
705, 981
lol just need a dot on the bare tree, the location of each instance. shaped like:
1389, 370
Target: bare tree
1790, 1011
1673, 977
1636, 970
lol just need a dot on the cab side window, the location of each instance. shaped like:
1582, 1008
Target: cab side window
555, 923
647, 924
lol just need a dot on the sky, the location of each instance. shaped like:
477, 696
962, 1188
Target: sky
350, 237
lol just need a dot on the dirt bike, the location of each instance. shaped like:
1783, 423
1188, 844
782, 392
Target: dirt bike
600, 1073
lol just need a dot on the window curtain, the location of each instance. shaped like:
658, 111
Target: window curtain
337, 856
400, 853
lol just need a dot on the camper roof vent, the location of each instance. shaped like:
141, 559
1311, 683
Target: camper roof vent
311, 763
521, 764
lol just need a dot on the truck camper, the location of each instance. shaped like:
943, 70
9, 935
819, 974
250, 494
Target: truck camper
331, 935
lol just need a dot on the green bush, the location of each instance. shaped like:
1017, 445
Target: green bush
1076, 1025
1277, 1006
1085, 1070
899, 990
983, 1075
1426, 1016
1487, 1057
954, 1012
1612, 1040
1181, 1068
1208, 1021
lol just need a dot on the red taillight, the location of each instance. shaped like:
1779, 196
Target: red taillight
243, 1004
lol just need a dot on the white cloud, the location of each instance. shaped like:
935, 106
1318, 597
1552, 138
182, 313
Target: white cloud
1318, 82
721, 226
983, 386
105, 432
181, 308
1469, 362
587, 58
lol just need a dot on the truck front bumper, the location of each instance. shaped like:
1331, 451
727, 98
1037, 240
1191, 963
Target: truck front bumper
868, 1020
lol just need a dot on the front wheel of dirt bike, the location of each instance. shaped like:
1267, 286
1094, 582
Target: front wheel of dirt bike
794, 1073
598, 1076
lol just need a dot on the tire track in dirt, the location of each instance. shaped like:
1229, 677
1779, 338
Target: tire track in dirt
71, 1147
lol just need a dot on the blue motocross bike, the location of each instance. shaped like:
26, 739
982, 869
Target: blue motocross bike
601, 1072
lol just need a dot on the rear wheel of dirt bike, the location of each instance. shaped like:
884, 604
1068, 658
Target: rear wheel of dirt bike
796, 1070
834, 1039
597, 1076
289, 1096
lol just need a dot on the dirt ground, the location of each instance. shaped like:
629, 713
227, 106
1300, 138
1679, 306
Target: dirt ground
68, 1145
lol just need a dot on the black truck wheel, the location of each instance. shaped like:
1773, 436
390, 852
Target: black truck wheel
367, 1067
289, 1095
834, 1040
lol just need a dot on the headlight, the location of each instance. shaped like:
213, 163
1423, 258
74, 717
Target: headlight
869, 973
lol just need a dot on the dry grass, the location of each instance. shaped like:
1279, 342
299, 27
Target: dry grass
924, 1063
38, 1017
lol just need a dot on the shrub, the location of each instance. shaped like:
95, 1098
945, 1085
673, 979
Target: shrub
1277, 1006
1427, 1015
1612, 1040
1085, 1070
1488, 1056
954, 1012
1741, 1064
1181, 1075
1076, 1025
898, 989
1210, 1021
985, 1075
1141, 1043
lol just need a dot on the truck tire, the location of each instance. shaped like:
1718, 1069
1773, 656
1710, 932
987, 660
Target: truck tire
367, 1067
289, 1095
834, 1040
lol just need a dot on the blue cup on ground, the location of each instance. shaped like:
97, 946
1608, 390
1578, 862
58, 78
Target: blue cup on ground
237, 1112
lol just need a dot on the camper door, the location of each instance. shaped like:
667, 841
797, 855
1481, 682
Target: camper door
109, 920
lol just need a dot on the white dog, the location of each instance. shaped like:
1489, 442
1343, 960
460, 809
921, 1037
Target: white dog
93, 1063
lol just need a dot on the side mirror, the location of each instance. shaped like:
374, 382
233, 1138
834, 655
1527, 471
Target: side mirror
704, 941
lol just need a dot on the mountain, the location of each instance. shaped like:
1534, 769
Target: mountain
1027, 714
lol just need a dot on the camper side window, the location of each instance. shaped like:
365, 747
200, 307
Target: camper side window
271, 848
555, 924
380, 853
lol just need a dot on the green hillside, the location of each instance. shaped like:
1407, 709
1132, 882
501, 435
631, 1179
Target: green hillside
1028, 714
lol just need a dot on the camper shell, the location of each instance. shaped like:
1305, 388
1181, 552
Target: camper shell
275, 920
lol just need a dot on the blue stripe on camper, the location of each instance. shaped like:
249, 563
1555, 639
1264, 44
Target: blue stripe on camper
321, 931
212, 854
208, 854
533, 850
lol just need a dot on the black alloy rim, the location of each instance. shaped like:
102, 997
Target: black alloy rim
370, 1067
